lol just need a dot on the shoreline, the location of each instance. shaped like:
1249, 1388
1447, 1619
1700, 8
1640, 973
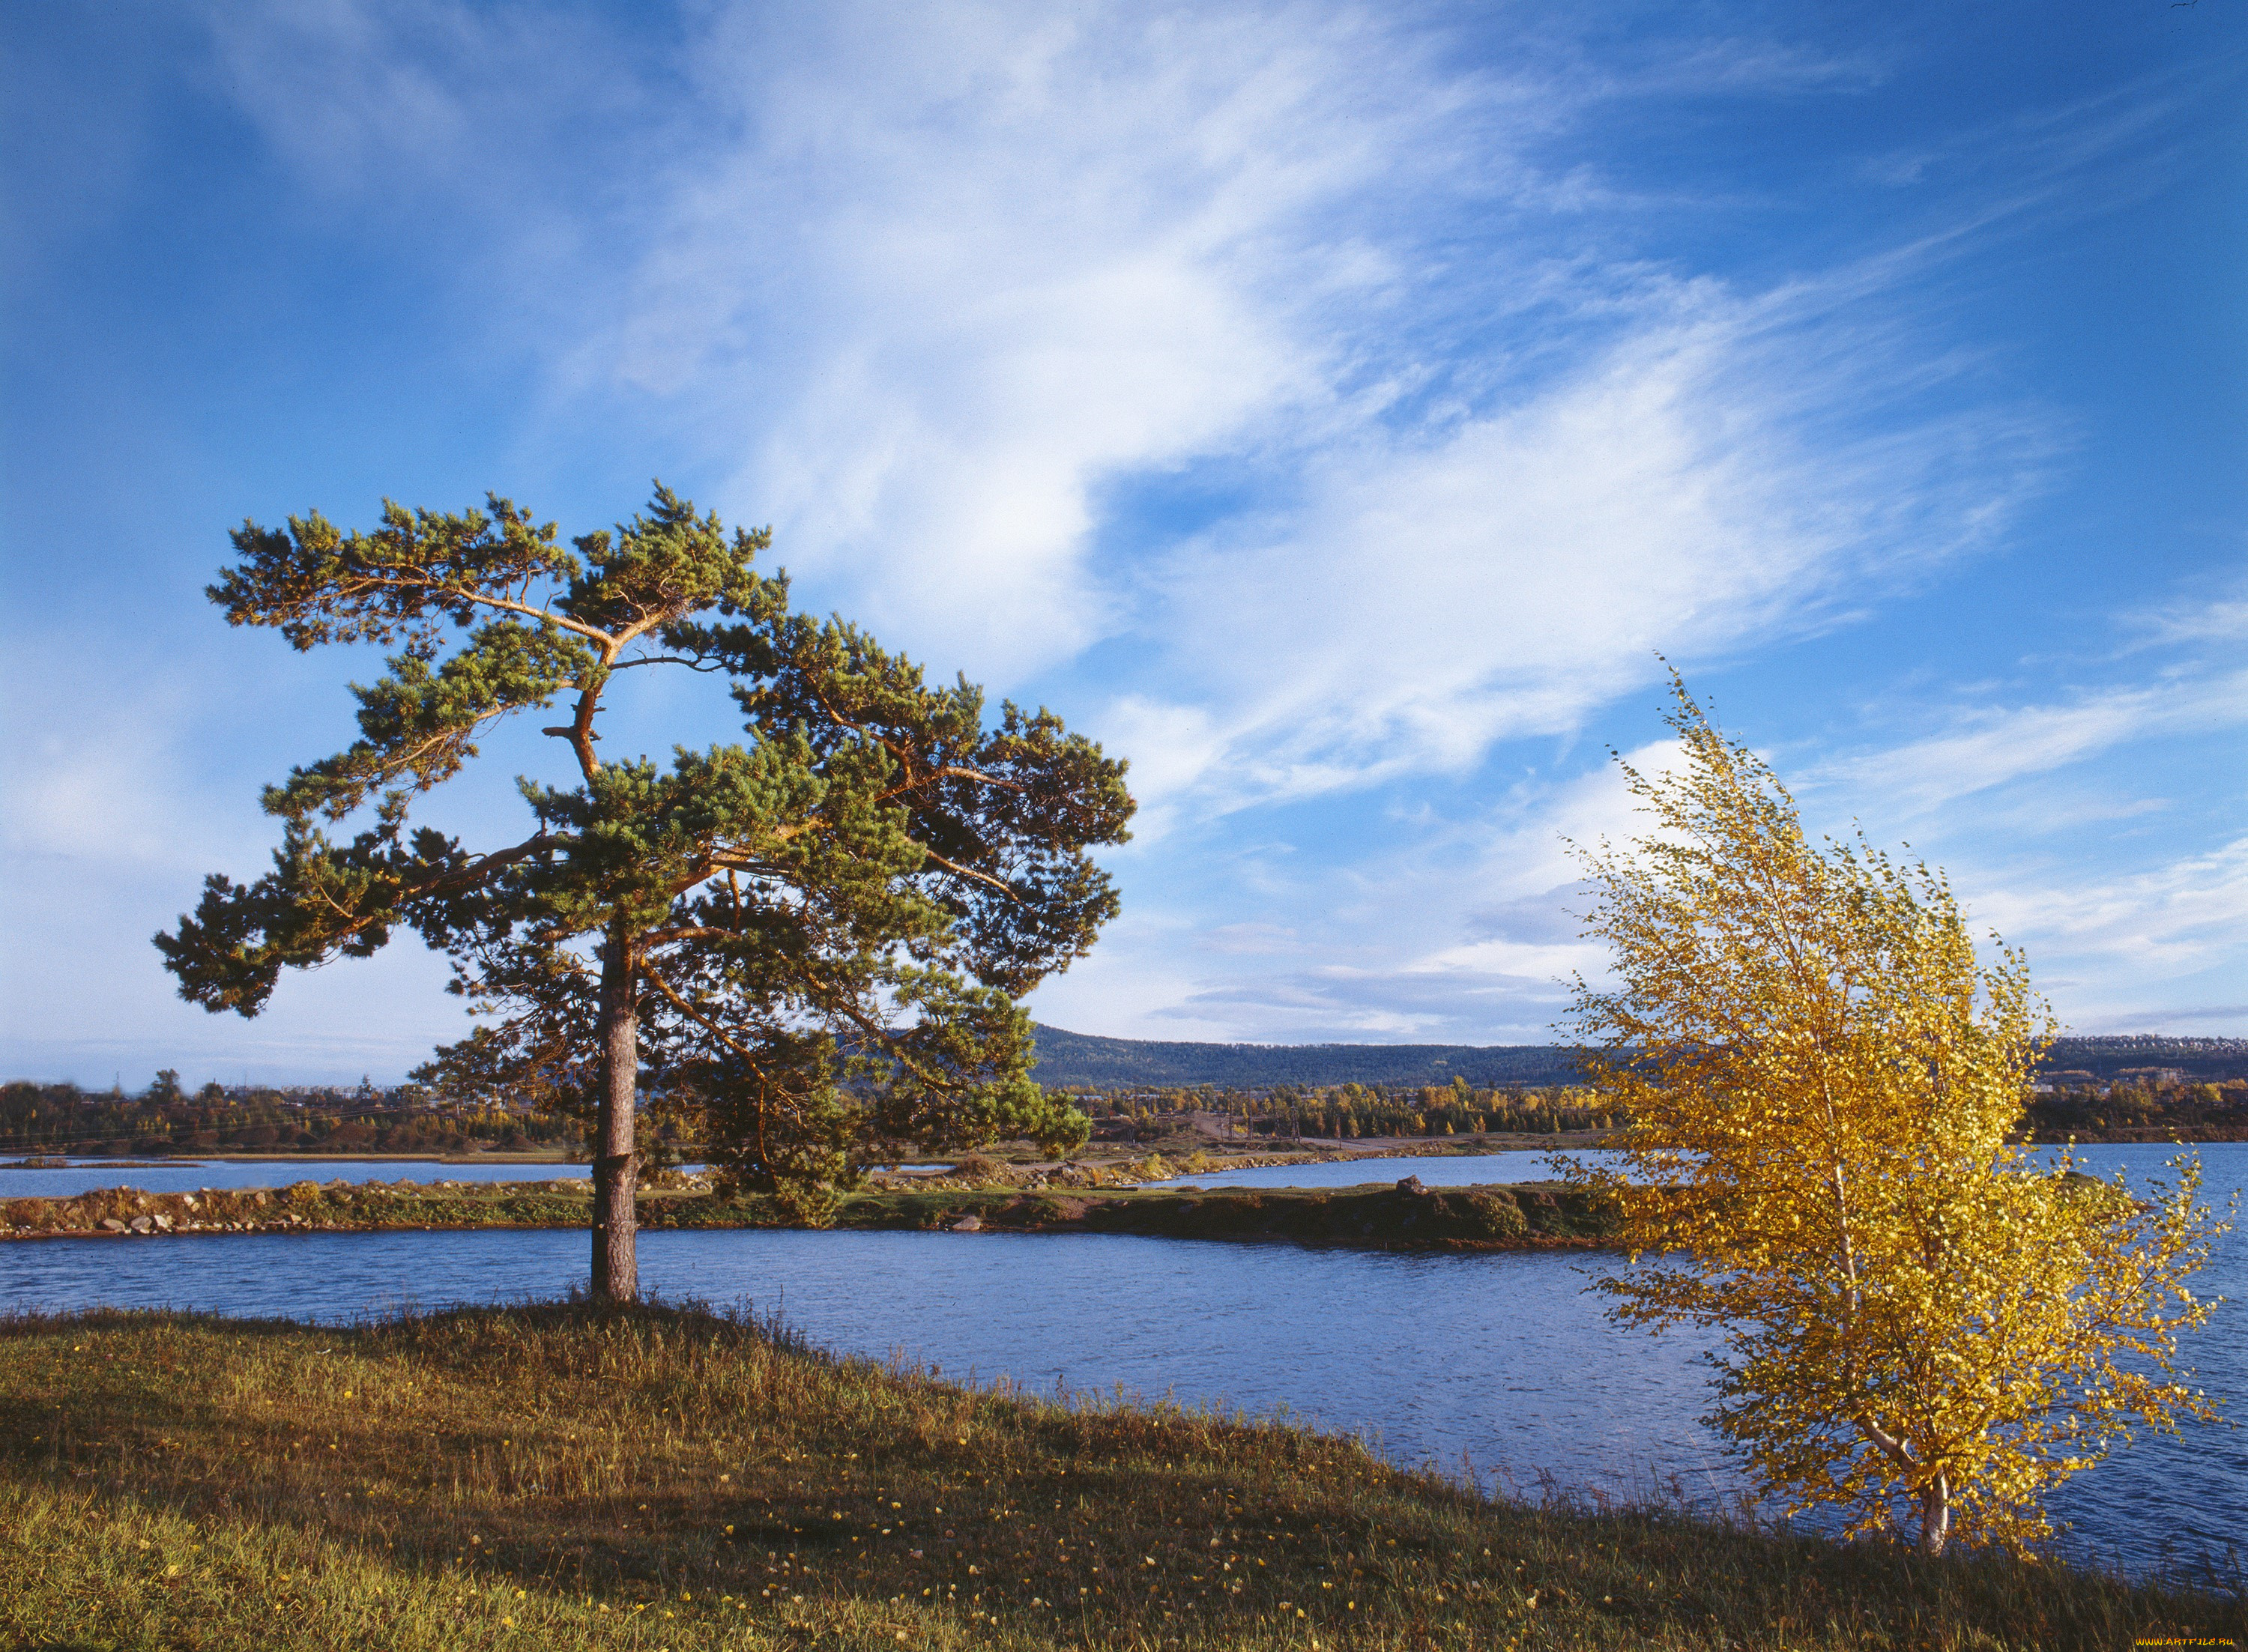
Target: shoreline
1310, 1152
652, 1476
1071, 1198
1376, 1216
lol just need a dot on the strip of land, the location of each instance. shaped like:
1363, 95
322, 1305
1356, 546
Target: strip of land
1400, 1216
651, 1479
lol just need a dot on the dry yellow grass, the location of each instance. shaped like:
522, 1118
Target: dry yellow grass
566, 1477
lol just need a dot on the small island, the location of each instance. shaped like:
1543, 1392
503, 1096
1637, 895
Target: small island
980, 1196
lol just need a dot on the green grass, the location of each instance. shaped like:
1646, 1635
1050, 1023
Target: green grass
548, 1477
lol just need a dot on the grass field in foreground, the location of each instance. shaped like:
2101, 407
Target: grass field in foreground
563, 1476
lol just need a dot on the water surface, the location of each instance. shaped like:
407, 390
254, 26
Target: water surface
1500, 1360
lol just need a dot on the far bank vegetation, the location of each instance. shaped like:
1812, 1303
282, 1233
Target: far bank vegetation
409, 1120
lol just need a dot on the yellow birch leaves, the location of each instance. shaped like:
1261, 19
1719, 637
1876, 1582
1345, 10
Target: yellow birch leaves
1920, 1323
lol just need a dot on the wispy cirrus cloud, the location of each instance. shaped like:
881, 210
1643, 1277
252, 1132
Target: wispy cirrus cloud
1446, 590
2217, 614
2168, 919
1462, 930
1113, 247
948, 278
1332, 409
1995, 746
928, 288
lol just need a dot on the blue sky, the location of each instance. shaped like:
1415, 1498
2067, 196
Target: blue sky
1333, 409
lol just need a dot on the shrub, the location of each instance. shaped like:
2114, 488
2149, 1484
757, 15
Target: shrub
1497, 1214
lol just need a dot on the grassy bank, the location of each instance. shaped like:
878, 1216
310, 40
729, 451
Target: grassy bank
658, 1478
1380, 1216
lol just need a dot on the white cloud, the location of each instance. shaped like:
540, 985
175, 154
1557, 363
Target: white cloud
2213, 615
1505, 578
1464, 930
119, 799
1460, 445
966, 273
2172, 919
1169, 746
98, 769
929, 286
1250, 939
962, 269
1994, 747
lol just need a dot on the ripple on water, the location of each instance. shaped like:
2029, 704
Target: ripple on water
1503, 1362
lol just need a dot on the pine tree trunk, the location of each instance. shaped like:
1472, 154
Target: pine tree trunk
616, 1168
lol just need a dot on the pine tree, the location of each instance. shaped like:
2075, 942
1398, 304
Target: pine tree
812, 942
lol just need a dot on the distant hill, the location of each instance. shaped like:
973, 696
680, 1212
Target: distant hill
2203, 1061
1073, 1060
1078, 1058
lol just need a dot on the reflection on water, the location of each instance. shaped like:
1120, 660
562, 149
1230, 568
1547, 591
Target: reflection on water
1503, 1362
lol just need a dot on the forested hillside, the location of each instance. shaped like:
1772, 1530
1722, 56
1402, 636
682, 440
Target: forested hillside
2118, 1089
2142, 1054
1075, 1060
1079, 1061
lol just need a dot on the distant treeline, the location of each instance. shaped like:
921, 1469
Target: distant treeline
63, 1118
2113, 1088
2118, 1111
2139, 1112
1080, 1061
1351, 1110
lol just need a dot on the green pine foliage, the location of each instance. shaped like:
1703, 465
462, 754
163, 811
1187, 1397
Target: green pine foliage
810, 942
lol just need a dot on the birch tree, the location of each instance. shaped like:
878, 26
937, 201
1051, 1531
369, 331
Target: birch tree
813, 941
1920, 1324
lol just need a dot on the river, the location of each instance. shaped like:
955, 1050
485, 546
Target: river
1500, 1362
